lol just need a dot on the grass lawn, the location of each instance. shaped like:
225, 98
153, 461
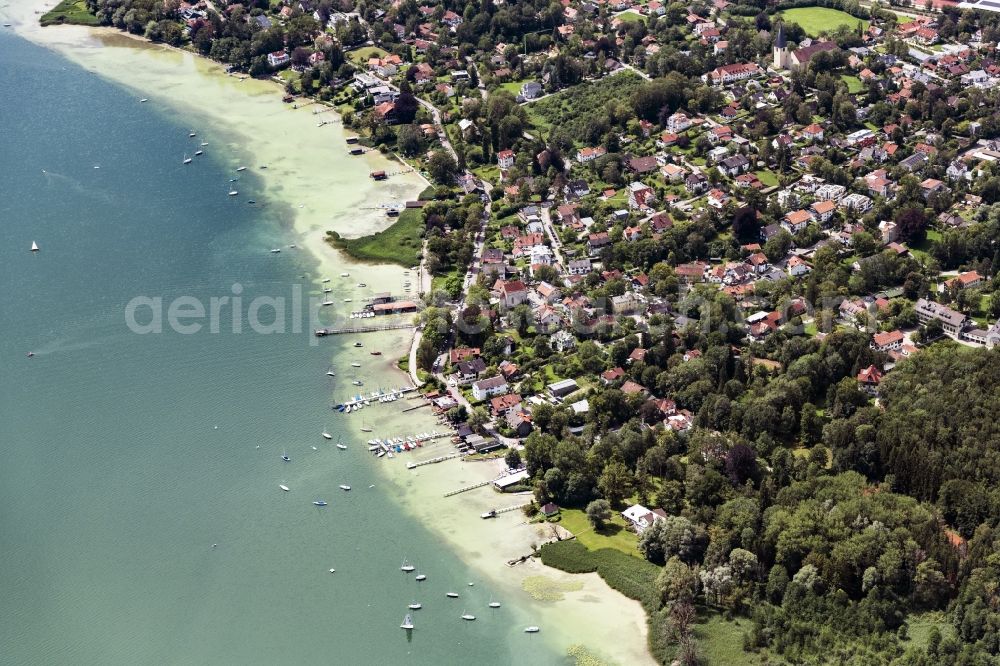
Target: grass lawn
629, 17
767, 177
815, 20
614, 535
399, 244
720, 641
920, 625
360, 57
854, 84
514, 87
70, 11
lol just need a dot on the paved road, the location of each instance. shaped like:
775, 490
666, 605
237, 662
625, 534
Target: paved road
553, 238
417, 335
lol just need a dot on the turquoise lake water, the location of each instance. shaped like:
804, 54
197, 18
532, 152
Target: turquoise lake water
125, 457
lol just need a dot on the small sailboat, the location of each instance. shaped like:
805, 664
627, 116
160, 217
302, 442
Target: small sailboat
284, 487
233, 192
344, 486
284, 456
421, 577
451, 595
327, 435
319, 503
34, 246
494, 604
407, 623
327, 302
406, 566
332, 570
199, 152
331, 373
414, 606
342, 447
192, 135
468, 617
531, 630
204, 143
187, 160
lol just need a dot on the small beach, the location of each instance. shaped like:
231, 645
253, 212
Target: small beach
312, 185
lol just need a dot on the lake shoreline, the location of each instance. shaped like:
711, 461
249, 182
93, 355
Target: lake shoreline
258, 128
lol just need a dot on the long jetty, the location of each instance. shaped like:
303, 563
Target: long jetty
323, 332
411, 465
468, 488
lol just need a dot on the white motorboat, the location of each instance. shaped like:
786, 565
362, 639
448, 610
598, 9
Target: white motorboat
468, 617
192, 135
143, 100
344, 487
421, 577
199, 152
414, 606
276, 250
242, 168
355, 364
327, 435
284, 487
342, 447
327, 302
531, 630
451, 595
345, 275
233, 193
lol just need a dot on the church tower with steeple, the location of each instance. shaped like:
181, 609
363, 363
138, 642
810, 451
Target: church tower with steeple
780, 49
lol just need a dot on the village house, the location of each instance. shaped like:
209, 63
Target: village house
729, 73
796, 221
640, 518
868, 379
501, 405
952, 322
505, 159
487, 388
511, 292
888, 341
585, 155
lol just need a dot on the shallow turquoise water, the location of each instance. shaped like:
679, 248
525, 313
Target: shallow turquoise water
125, 457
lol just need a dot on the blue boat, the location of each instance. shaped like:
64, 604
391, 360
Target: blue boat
319, 503
339, 408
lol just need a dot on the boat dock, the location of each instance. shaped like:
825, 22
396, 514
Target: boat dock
506, 509
359, 401
323, 332
392, 445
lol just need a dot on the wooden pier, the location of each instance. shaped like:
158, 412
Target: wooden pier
412, 465
468, 488
323, 332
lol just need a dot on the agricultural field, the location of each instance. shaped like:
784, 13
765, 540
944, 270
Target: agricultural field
815, 20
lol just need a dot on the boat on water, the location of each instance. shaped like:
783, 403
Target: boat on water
192, 134
327, 290
421, 577
492, 513
361, 285
344, 486
242, 168
451, 595
251, 201
332, 570
199, 152
325, 280
407, 623
358, 344
355, 365
284, 456
347, 300
531, 630
414, 606
380, 454
233, 192
345, 275
406, 566
34, 246
204, 143
494, 604
468, 617
342, 447
284, 487
376, 353
141, 101
319, 503
327, 302
275, 250
314, 448
358, 382
187, 160
331, 373
327, 435
364, 429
